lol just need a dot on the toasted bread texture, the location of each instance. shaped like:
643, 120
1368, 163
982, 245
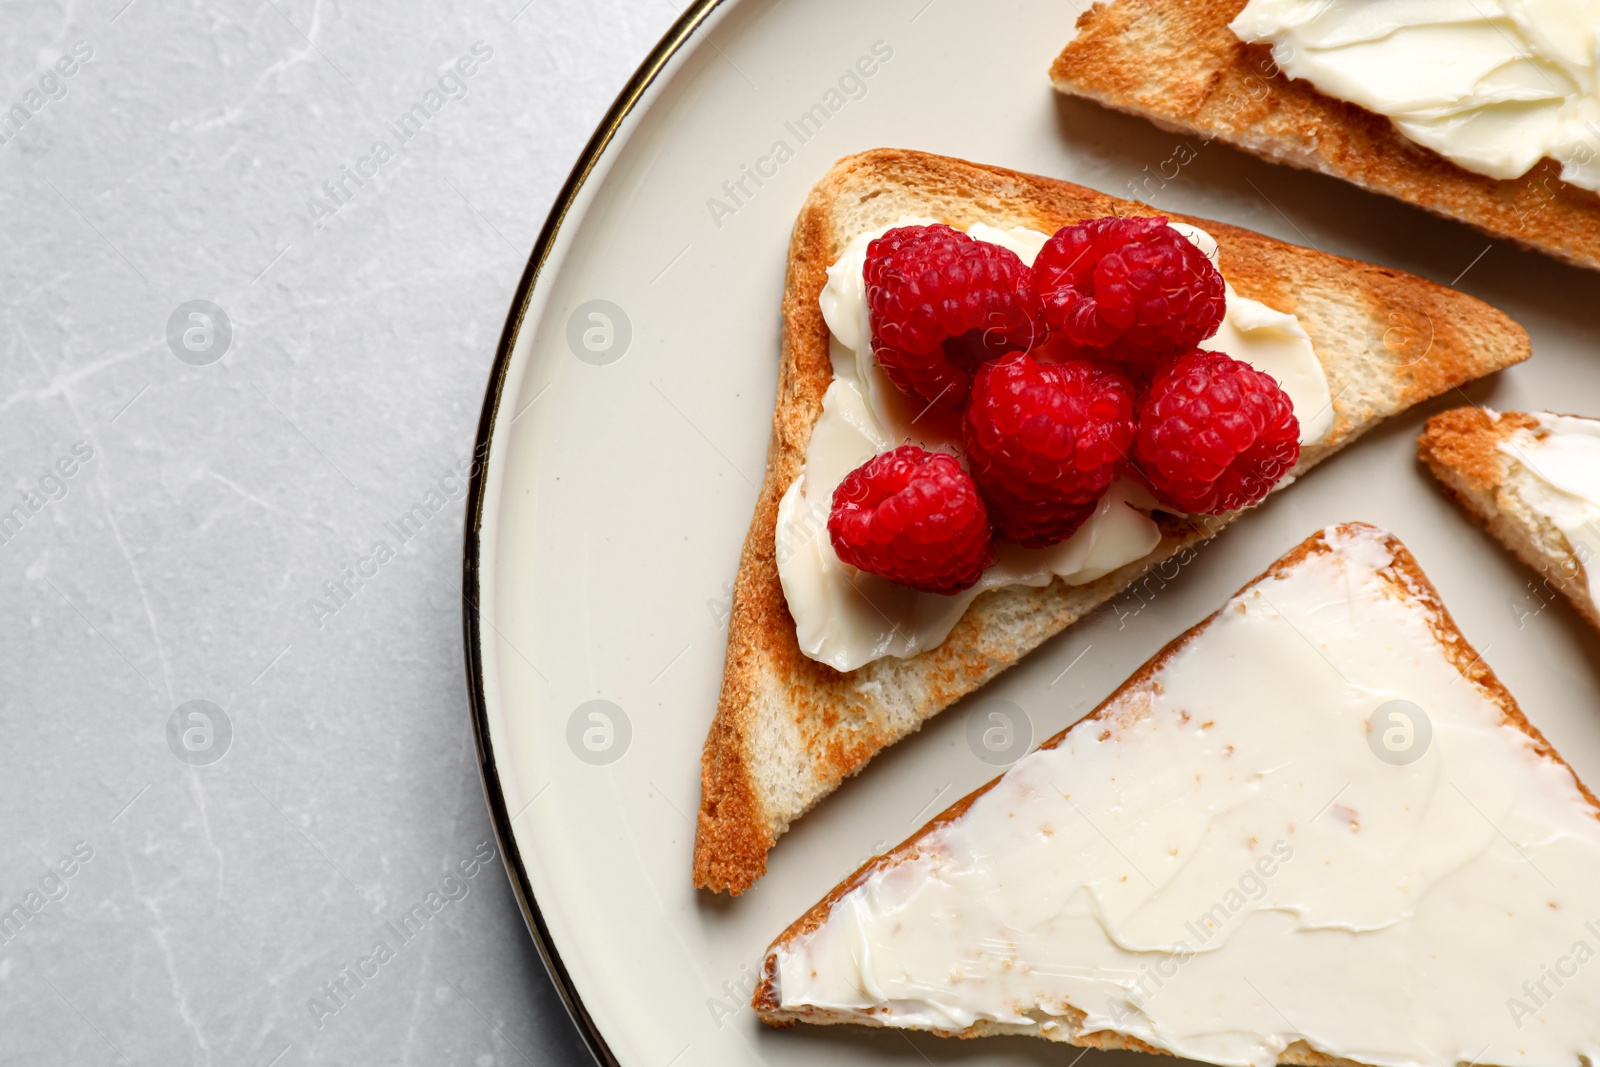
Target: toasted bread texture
1179, 66
1131, 702
788, 730
1462, 448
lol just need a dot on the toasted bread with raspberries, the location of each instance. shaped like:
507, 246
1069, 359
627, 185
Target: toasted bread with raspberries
788, 729
1463, 448
1180, 67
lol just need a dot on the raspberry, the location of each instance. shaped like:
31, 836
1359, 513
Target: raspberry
941, 303
912, 517
1134, 287
1214, 434
1044, 440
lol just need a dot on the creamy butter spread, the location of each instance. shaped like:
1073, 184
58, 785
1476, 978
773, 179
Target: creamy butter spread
1228, 865
847, 618
1494, 85
1557, 472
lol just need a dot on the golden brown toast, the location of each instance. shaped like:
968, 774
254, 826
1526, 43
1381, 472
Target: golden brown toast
788, 730
1463, 449
1178, 65
1400, 577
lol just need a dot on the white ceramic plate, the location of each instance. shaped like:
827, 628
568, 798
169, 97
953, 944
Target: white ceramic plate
606, 525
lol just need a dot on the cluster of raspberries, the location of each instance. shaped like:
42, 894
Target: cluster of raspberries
1066, 375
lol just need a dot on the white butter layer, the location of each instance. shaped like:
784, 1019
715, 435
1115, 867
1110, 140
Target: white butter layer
1229, 866
1274, 342
1557, 472
1494, 85
846, 618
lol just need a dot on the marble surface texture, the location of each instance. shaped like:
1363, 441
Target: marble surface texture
247, 324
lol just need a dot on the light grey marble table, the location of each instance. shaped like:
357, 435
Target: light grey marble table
255, 256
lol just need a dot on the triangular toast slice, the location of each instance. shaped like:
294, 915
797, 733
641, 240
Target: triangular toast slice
1179, 66
788, 729
1523, 475
1314, 829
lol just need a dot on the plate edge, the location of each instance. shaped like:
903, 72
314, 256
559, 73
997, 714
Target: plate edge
678, 35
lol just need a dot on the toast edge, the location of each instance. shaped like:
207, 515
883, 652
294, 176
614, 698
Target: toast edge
1404, 572
733, 832
1225, 89
1460, 447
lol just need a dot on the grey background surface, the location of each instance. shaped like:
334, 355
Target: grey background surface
178, 526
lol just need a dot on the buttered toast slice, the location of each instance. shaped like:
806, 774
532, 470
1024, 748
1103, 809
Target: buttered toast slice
1179, 66
1363, 853
789, 729
1533, 481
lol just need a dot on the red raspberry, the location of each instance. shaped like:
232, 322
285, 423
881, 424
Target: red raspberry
912, 517
1044, 440
941, 303
1215, 434
1132, 286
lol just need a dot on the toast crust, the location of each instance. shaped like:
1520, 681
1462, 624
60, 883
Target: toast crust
1407, 580
1179, 66
1462, 449
1465, 443
788, 730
